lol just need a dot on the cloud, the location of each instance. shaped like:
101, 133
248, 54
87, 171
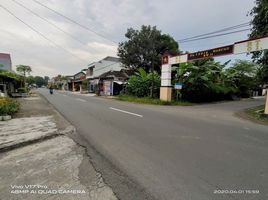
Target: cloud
110, 18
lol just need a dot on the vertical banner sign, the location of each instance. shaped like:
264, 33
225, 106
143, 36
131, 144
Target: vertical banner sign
166, 71
165, 59
166, 75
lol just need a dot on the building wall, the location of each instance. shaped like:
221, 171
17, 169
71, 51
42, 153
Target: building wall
5, 62
105, 65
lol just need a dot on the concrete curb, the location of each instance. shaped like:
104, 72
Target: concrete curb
241, 114
68, 130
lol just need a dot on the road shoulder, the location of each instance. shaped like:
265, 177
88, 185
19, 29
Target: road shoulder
39, 161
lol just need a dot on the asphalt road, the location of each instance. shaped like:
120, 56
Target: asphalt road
186, 153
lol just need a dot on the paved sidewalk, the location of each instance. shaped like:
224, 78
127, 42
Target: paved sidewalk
39, 161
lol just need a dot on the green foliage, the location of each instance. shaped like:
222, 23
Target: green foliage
144, 47
8, 106
30, 80
260, 29
23, 70
255, 114
85, 85
243, 75
149, 100
10, 75
46, 78
207, 80
140, 84
59, 81
203, 81
23, 90
38, 80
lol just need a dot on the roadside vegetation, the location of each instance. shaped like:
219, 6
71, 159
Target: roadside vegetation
255, 114
8, 106
11, 75
203, 80
37, 80
149, 100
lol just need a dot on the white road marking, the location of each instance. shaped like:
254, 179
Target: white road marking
78, 99
64, 95
123, 111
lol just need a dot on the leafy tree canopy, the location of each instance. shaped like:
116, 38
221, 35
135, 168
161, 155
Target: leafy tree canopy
10, 75
38, 80
144, 47
260, 29
23, 69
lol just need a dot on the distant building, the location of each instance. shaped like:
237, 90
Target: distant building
5, 62
106, 76
76, 81
8, 81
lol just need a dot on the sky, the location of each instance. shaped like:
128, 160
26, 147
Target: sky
110, 19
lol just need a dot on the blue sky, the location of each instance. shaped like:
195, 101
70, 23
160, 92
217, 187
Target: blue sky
111, 18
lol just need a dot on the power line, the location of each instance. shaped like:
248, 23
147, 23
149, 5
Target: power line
75, 22
34, 13
39, 33
217, 31
222, 34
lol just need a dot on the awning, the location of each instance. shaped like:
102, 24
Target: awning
119, 82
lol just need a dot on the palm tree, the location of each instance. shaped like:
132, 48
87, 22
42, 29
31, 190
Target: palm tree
23, 69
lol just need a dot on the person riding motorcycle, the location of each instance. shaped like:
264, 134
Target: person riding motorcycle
51, 89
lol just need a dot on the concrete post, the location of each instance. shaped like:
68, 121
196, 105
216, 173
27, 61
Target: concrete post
73, 89
166, 87
165, 93
266, 103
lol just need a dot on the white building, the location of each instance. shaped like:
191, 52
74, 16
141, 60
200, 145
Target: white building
96, 69
5, 62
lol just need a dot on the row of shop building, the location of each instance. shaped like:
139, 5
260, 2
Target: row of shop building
8, 80
105, 77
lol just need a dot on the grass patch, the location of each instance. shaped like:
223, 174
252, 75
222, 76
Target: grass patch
148, 100
255, 114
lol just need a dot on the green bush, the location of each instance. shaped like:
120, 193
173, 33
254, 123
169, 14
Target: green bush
139, 85
8, 106
85, 85
148, 100
22, 90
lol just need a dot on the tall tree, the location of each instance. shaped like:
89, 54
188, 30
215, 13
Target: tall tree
243, 76
260, 29
39, 81
23, 70
46, 78
144, 47
30, 80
